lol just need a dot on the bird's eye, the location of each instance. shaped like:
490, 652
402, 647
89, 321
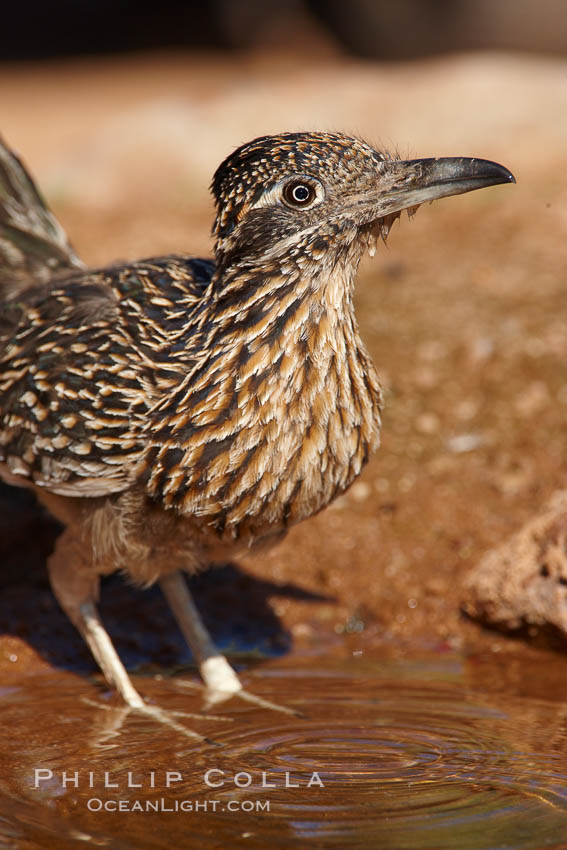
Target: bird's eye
299, 193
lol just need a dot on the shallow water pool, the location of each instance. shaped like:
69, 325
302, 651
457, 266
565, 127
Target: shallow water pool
430, 751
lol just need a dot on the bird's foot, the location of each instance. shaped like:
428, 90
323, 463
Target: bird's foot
266, 703
214, 697
168, 717
164, 716
221, 684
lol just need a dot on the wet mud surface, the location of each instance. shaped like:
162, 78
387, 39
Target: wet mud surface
428, 730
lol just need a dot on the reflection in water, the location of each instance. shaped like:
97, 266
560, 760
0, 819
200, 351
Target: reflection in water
388, 754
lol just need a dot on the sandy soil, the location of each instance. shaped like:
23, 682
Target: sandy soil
463, 314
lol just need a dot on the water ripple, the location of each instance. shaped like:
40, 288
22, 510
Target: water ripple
380, 759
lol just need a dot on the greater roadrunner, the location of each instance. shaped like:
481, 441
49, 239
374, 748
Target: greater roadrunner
173, 412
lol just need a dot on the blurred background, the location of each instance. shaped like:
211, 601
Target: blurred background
376, 29
123, 112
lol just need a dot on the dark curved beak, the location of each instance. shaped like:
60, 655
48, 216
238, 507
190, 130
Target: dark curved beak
416, 181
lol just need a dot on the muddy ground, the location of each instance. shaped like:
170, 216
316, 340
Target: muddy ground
463, 313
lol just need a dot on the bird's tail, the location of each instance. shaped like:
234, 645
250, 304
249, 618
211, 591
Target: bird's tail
33, 245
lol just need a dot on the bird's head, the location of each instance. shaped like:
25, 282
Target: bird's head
311, 197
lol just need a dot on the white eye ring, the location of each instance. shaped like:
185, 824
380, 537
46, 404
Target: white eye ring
300, 193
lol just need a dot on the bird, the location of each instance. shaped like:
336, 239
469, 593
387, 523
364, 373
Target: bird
175, 412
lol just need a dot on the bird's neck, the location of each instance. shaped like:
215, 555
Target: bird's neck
284, 409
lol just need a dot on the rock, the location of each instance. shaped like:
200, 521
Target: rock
524, 581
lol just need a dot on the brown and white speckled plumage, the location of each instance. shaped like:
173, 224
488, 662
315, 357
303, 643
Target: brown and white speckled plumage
240, 395
173, 410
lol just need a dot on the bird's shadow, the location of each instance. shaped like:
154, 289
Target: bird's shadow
235, 605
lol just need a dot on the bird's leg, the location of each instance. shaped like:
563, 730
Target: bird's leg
220, 680
90, 625
76, 585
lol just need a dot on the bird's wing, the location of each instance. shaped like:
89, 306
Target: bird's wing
81, 362
33, 245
